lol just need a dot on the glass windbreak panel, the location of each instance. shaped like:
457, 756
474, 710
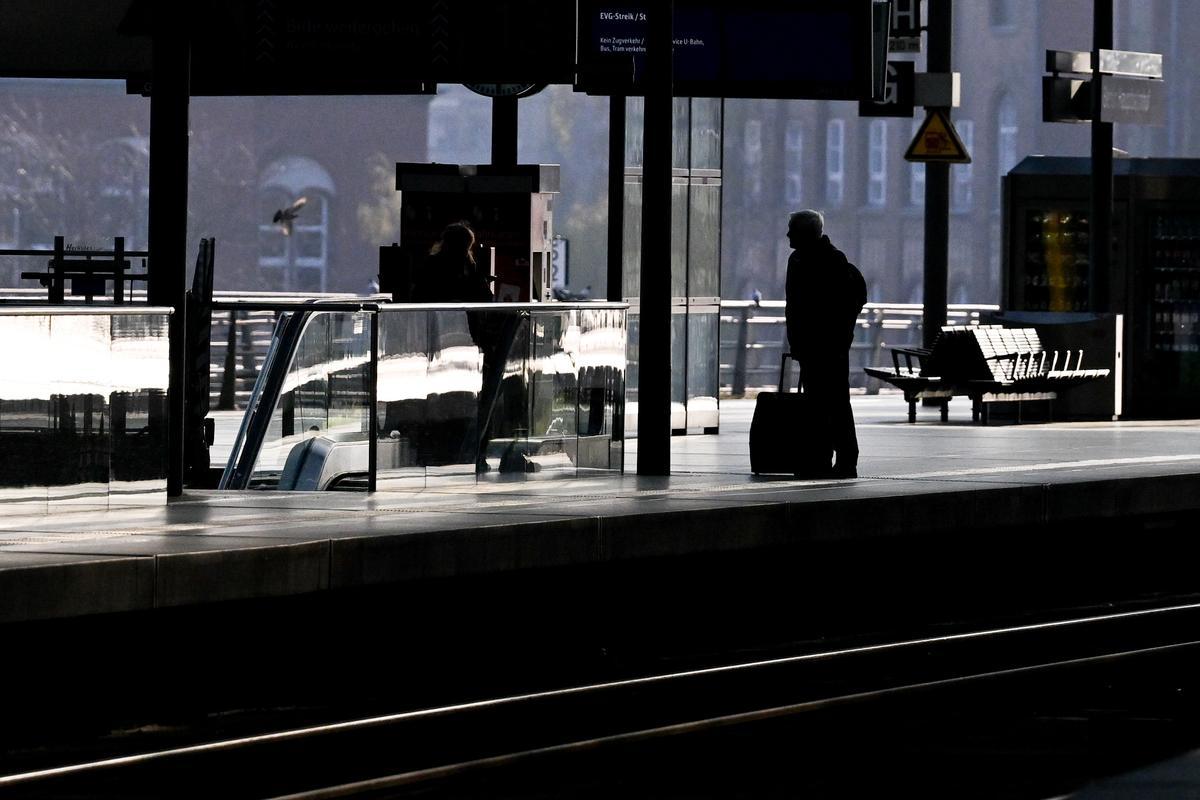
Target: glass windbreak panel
81, 438
26, 424
681, 122
496, 393
679, 237
138, 402
704, 240
702, 367
631, 259
635, 113
402, 391
1056, 260
706, 133
449, 445
506, 424
600, 364
551, 446
678, 372
317, 437
631, 372
452, 393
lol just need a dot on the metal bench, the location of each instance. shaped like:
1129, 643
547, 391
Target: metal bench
987, 363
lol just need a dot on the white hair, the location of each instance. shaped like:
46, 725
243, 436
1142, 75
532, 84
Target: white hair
808, 221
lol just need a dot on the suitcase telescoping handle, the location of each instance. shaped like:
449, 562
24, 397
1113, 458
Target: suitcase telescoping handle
783, 363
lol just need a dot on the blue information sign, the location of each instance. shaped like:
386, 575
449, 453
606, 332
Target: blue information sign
754, 48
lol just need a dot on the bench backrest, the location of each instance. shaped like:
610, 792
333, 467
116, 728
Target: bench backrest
956, 356
967, 352
995, 340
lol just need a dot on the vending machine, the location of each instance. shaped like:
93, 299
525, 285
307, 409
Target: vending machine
510, 208
1154, 279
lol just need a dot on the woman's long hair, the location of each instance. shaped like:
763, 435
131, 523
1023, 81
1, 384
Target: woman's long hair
457, 238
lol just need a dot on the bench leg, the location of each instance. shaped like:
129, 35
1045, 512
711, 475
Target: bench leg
912, 410
975, 409
946, 411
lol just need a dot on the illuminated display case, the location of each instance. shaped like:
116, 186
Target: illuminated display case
1154, 280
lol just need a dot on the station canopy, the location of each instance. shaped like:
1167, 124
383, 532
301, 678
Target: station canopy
753, 48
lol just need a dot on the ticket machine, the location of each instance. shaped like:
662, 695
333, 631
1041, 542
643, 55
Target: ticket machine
509, 207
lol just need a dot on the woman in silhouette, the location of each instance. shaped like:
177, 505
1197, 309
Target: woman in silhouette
451, 274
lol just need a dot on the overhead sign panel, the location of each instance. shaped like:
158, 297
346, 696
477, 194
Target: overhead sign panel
1077, 61
756, 48
1066, 99
360, 47
1132, 100
1131, 64
937, 141
1127, 63
898, 95
906, 27
1130, 85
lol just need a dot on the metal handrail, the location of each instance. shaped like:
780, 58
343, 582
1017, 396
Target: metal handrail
760, 326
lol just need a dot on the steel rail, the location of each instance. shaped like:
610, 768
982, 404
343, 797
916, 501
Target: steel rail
447, 771
739, 670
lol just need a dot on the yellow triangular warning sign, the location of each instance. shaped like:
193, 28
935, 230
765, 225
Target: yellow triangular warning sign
937, 141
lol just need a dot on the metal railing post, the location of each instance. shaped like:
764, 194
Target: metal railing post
373, 406
739, 355
228, 399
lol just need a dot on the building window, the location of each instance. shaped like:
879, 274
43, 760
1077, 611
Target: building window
916, 174
912, 270
1003, 14
877, 163
793, 144
963, 191
835, 162
752, 155
293, 254
1006, 135
873, 260
123, 197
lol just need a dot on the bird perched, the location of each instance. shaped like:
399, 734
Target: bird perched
284, 216
756, 296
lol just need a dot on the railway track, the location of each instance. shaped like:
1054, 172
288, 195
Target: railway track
550, 736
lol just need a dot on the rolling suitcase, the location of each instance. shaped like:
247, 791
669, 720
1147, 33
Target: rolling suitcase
786, 435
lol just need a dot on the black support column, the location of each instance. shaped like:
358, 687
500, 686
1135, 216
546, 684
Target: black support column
654, 341
167, 264
937, 186
616, 197
1100, 249
504, 131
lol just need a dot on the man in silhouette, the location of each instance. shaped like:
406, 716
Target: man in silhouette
825, 292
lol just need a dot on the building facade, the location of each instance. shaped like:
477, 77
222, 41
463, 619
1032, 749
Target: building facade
74, 161
786, 155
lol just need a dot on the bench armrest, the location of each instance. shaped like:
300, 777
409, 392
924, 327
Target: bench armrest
916, 351
920, 353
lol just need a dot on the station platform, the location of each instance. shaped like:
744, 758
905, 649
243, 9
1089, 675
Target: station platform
947, 480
